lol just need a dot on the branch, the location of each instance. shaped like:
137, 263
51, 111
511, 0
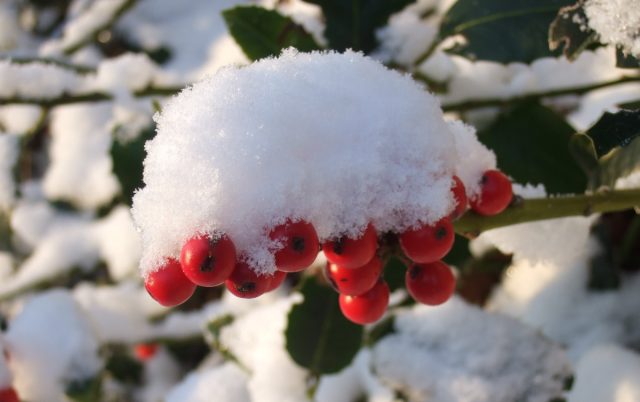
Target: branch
93, 34
66, 99
537, 209
478, 103
76, 68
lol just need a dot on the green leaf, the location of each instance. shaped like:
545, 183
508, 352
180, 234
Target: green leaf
262, 33
353, 23
568, 31
318, 336
626, 60
615, 130
123, 367
531, 143
502, 30
85, 390
127, 162
618, 163
394, 272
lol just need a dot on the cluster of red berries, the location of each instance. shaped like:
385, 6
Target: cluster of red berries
9, 395
353, 269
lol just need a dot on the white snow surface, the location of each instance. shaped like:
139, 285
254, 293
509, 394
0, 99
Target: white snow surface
242, 150
35, 80
227, 382
80, 170
8, 158
617, 22
51, 343
607, 373
459, 353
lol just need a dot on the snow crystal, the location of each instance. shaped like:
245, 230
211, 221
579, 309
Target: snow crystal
607, 373
303, 136
50, 342
36, 80
81, 168
436, 354
227, 382
257, 340
617, 22
8, 158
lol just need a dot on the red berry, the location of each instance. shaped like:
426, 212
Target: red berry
367, 307
300, 245
276, 280
208, 262
145, 351
495, 193
354, 281
431, 283
459, 196
428, 243
352, 253
245, 283
9, 395
168, 285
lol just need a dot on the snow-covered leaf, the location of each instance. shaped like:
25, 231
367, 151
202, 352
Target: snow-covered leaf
531, 143
86, 390
263, 33
352, 24
502, 31
570, 31
319, 338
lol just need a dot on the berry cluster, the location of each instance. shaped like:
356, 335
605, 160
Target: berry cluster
354, 269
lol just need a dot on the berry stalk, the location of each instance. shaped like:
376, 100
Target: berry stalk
537, 209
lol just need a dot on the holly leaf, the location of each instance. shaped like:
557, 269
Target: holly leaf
502, 31
352, 24
610, 149
318, 337
263, 33
615, 130
531, 143
570, 31
127, 160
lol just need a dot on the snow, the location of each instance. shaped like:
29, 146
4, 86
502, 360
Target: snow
607, 373
226, 382
8, 157
80, 170
129, 71
19, 119
242, 150
88, 21
10, 32
257, 340
509, 362
35, 80
616, 22
118, 243
51, 343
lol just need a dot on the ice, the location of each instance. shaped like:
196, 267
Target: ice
457, 352
246, 148
51, 343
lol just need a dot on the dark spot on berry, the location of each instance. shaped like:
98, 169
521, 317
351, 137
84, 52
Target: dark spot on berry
344, 280
414, 272
208, 264
484, 179
338, 246
246, 287
441, 232
297, 243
